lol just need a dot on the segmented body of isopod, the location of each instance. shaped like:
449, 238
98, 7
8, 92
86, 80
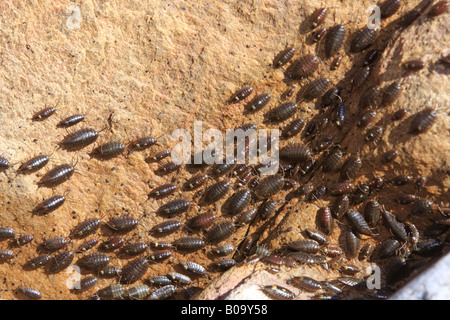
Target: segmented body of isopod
278, 293
238, 202
340, 188
269, 186
336, 63
391, 94
86, 227
223, 250
189, 244
94, 261
358, 223
23, 240
202, 221
283, 112
158, 281
401, 180
267, 209
43, 114
169, 167
318, 34
423, 121
388, 248
283, 57
366, 118
56, 176
360, 77
363, 39
114, 291
160, 255
134, 248
307, 258
295, 153
316, 88
70, 121
221, 231
54, 243
326, 219
246, 217
134, 270
304, 245
310, 129
438, 8
122, 224
334, 40
333, 161
340, 206
216, 191
193, 268
221, 169
166, 227
224, 264
352, 243
389, 156
371, 56
142, 143
305, 283
110, 272
79, 139
318, 17
409, 18
421, 207
428, 247
139, 292
7, 233
293, 128
195, 182
33, 164
108, 150
389, 7
6, 255
60, 262
179, 278
87, 245
4, 163
163, 191
303, 67
374, 134
30, 293
372, 213
162, 293
241, 94
340, 115
37, 262
351, 167
112, 243
85, 283
330, 97
159, 156
397, 228
49, 205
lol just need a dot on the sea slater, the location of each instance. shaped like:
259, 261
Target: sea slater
94, 261
269, 186
423, 121
238, 202
316, 88
318, 17
216, 192
258, 102
360, 77
334, 40
303, 67
389, 7
43, 114
163, 191
414, 65
79, 139
363, 39
70, 121
283, 112
60, 262
391, 93
277, 292
56, 176
30, 293
122, 224
283, 57
142, 143
438, 8
34, 164
220, 232
241, 94
134, 270
108, 150
49, 205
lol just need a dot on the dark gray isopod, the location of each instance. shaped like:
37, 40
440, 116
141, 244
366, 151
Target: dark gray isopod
283, 57
423, 121
49, 205
238, 202
56, 176
34, 164
334, 40
134, 270
363, 39
316, 88
79, 139
162, 293
60, 262
70, 121
360, 225
269, 186
283, 112
108, 150
216, 192
221, 231
30, 293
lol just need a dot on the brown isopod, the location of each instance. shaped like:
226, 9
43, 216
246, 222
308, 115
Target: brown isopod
397, 228
283, 57
23, 240
351, 167
305, 283
4, 163
238, 202
374, 134
189, 244
94, 261
122, 224
388, 248
79, 139
389, 7
142, 143
371, 56
358, 223
246, 217
334, 40
202, 221
166, 227
316, 88
269, 186
108, 150
318, 17
318, 34
372, 213
221, 231
157, 256
37, 262
134, 270
193, 268
366, 118
56, 176
340, 206
258, 102
30, 293
87, 245
340, 188
112, 243
369, 98
325, 219
6, 255
303, 67
336, 63
85, 283
54, 243
277, 292
423, 121
43, 114
174, 207
391, 93
421, 207
49, 205
352, 243
267, 209
295, 153
317, 236
85, 228
70, 121
60, 262
360, 77
363, 39
159, 156
133, 249
293, 129
162, 191
304, 245
414, 65
283, 112
333, 161
438, 8
34, 164
216, 192
399, 114
114, 291
241, 94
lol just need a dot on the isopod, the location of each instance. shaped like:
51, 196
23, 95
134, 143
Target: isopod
216, 192
372, 213
363, 39
303, 67
305, 283
318, 17
283, 112
389, 7
316, 88
241, 94
304, 245
70, 121
358, 223
334, 40
238, 202
60, 262
163, 191
54, 243
85, 228
269, 186
138, 292
193, 268
326, 219
195, 182
56, 176
360, 77
94, 261
293, 129
277, 292
134, 270
166, 227
267, 209
122, 224
108, 150
202, 221
221, 231
391, 93
283, 57
423, 121
438, 8
162, 293
142, 143
79, 139
43, 114
351, 167
114, 291
340, 206
49, 205
34, 164
188, 244
30, 293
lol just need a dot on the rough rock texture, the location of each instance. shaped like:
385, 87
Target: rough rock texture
139, 68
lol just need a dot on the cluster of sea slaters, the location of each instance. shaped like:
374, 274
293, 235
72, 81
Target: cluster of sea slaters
252, 198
